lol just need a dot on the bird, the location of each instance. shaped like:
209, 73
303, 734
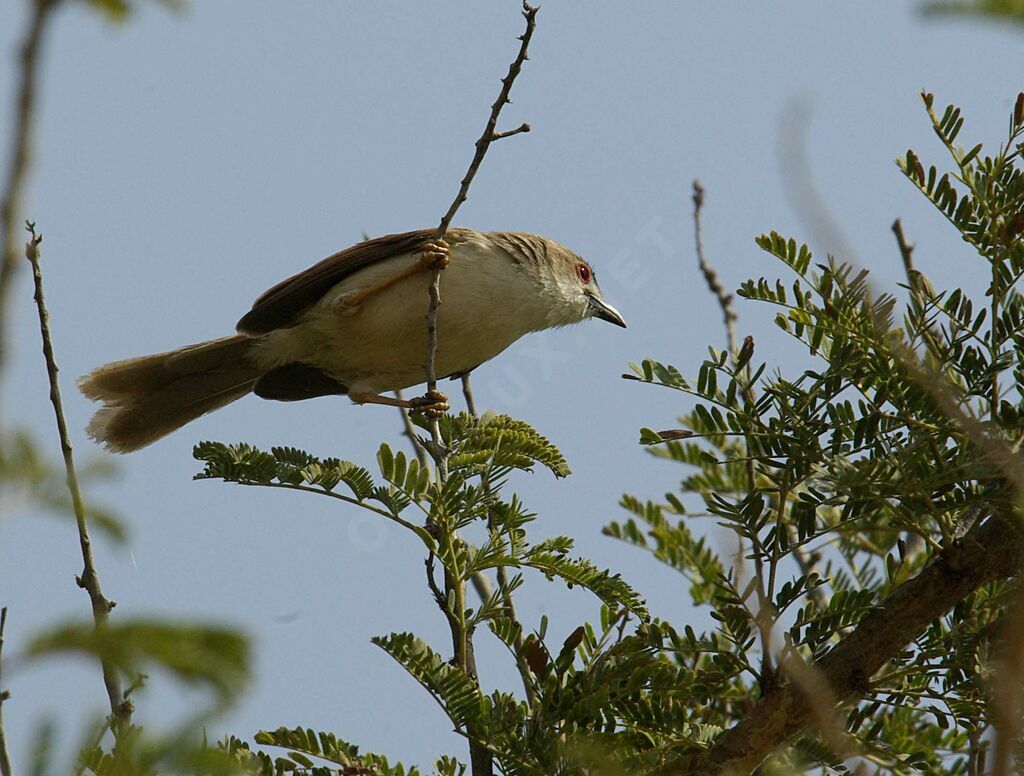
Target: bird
354, 324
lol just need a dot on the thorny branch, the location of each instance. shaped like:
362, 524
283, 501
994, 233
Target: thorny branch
710, 275
490, 134
480, 758
20, 156
120, 706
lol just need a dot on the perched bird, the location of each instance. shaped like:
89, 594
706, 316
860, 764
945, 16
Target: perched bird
355, 325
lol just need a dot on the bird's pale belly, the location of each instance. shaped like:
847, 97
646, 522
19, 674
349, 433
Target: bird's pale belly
381, 345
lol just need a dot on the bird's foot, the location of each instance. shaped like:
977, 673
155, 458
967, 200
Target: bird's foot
435, 255
433, 404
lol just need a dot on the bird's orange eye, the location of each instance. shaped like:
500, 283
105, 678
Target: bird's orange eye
584, 273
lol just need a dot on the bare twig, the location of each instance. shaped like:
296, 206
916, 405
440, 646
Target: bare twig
490, 135
764, 615
120, 707
467, 392
480, 758
5, 757
20, 157
710, 275
906, 249
524, 127
914, 541
482, 144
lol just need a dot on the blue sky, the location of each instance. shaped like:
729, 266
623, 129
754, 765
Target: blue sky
186, 162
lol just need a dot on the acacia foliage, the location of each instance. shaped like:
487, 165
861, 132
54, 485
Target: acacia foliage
840, 484
844, 481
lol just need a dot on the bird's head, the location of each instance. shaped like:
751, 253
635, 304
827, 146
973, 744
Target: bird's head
576, 284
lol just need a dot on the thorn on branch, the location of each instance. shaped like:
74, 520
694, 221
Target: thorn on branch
488, 135
524, 127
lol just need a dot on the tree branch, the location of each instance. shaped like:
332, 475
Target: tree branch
120, 706
990, 551
20, 158
480, 758
490, 135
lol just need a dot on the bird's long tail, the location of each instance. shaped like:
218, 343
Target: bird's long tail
147, 398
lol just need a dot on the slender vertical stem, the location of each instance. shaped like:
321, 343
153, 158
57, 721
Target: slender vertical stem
5, 757
120, 707
467, 392
915, 543
20, 158
455, 590
723, 297
482, 144
503, 582
729, 318
489, 134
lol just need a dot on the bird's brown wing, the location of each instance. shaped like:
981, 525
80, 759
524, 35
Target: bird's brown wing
282, 305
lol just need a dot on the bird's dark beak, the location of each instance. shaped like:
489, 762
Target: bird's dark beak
601, 309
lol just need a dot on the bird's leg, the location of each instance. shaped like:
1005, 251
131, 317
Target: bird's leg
435, 255
433, 404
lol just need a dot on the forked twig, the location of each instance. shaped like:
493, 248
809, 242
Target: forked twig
120, 707
490, 135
